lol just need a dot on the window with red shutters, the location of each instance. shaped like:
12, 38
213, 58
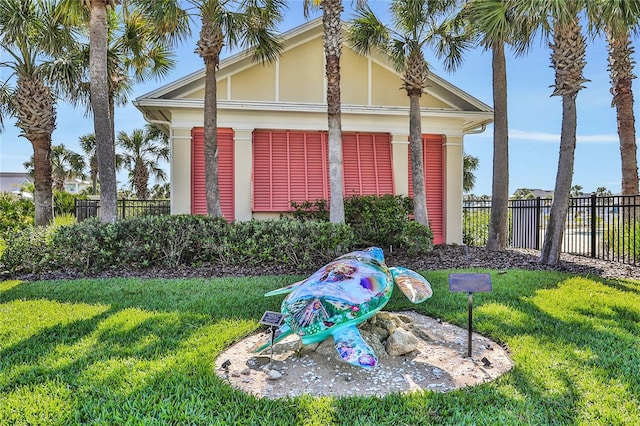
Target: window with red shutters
225, 172
433, 159
291, 165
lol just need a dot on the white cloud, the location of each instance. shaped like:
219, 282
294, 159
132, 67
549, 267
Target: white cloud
555, 137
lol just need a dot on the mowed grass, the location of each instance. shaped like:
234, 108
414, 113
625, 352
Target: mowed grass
135, 351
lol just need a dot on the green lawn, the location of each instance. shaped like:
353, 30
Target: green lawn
133, 351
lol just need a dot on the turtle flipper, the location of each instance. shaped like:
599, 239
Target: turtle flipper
283, 331
352, 347
412, 284
284, 290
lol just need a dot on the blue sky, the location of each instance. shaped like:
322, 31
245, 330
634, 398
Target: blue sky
534, 116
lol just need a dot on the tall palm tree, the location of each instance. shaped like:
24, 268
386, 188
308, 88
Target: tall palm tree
167, 15
332, 27
493, 23
417, 24
248, 23
560, 20
143, 151
88, 145
33, 37
617, 20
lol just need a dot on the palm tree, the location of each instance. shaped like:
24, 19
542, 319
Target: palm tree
332, 41
617, 19
469, 165
33, 37
167, 18
143, 150
560, 20
492, 21
417, 24
88, 145
332, 27
248, 23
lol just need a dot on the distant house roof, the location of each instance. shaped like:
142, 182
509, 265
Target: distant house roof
11, 181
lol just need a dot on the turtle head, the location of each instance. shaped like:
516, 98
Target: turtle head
376, 253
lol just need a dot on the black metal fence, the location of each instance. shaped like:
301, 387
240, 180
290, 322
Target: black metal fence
127, 209
603, 227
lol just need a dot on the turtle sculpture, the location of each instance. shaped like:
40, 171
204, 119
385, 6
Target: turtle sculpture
341, 295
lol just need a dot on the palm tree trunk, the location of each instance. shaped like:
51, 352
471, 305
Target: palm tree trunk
555, 228
627, 134
417, 162
621, 72
212, 188
43, 196
332, 47
498, 226
99, 87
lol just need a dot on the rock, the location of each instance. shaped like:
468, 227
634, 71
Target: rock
274, 375
401, 342
327, 348
375, 342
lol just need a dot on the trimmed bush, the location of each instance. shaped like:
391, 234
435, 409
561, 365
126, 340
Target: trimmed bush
171, 241
376, 220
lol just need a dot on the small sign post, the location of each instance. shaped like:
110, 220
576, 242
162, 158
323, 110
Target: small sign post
470, 283
273, 320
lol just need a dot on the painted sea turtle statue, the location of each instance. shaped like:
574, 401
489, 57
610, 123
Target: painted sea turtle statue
339, 296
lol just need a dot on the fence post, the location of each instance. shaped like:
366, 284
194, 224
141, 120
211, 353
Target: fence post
594, 223
123, 208
537, 227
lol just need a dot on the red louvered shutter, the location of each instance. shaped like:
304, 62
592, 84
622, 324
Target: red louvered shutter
367, 163
225, 172
433, 159
288, 166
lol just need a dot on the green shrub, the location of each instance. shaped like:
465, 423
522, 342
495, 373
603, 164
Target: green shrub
171, 241
621, 241
307, 210
29, 251
15, 214
64, 202
376, 220
475, 227
415, 238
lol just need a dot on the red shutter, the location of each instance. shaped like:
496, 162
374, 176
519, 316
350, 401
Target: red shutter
433, 158
293, 166
225, 172
367, 163
288, 166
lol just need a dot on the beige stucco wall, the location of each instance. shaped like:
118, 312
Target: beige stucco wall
453, 182
238, 120
301, 77
180, 164
257, 83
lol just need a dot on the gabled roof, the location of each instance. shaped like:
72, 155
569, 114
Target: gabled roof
446, 99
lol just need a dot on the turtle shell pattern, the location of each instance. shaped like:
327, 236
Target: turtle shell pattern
347, 291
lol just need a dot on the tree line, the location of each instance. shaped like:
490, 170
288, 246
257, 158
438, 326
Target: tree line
91, 51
